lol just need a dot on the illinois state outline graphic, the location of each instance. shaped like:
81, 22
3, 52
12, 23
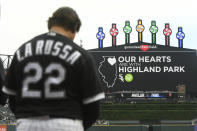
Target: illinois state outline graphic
108, 70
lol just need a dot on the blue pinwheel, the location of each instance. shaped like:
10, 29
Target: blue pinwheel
180, 36
100, 36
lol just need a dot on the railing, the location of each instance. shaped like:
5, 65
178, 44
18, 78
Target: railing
6, 59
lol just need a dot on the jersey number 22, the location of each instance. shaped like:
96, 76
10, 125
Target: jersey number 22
39, 71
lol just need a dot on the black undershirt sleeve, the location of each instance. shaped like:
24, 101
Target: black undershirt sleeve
90, 114
3, 97
12, 103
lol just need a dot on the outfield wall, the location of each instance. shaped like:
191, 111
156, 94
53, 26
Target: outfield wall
144, 128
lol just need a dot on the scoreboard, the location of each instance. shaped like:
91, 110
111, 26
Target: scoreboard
146, 67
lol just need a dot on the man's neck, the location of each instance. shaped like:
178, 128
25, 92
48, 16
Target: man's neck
63, 32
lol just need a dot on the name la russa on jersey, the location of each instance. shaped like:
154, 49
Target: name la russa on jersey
44, 46
51, 45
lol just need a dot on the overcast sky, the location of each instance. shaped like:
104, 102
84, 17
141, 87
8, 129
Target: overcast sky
23, 19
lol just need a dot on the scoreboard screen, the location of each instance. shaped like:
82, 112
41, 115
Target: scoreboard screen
146, 67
